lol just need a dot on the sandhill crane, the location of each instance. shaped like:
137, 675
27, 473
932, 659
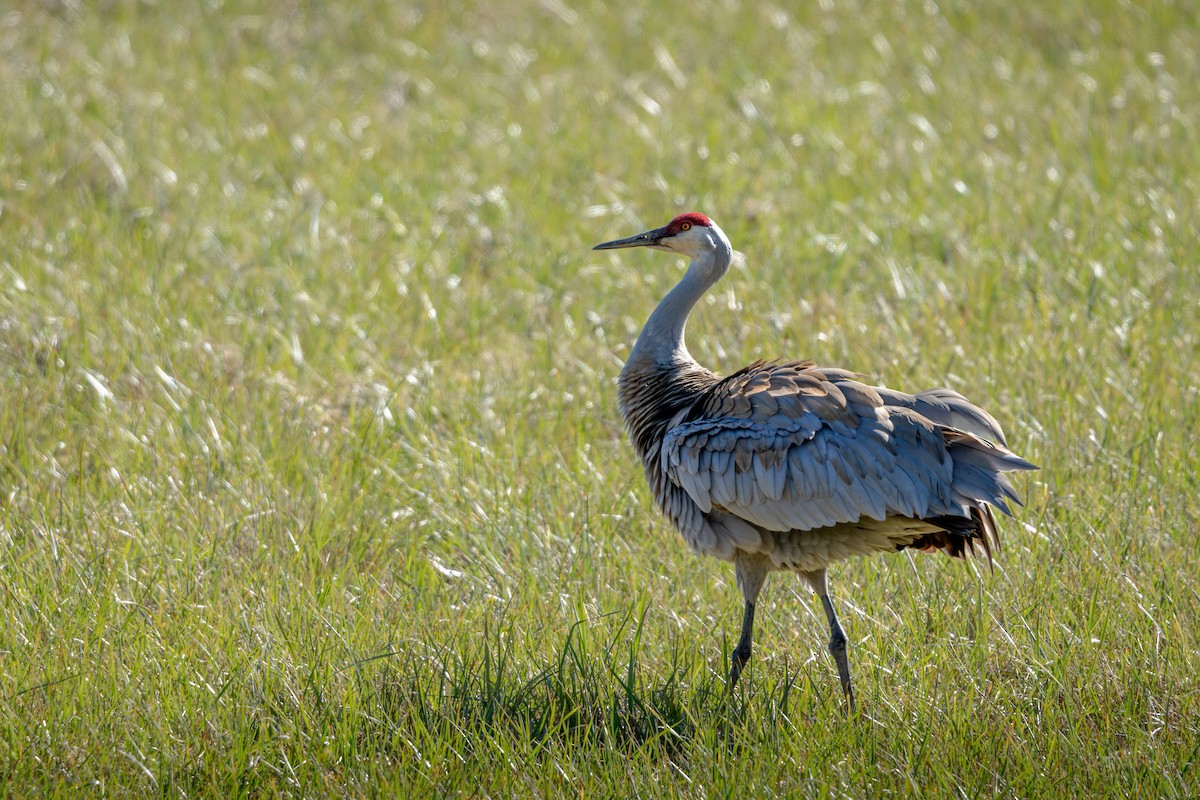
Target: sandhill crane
785, 465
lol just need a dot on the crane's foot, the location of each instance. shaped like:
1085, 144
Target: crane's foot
740, 656
741, 653
837, 648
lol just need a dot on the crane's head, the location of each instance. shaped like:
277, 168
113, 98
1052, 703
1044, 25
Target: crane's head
688, 234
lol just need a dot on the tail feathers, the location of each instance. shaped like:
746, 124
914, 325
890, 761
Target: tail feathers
979, 468
950, 408
960, 535
979, 486
982, 453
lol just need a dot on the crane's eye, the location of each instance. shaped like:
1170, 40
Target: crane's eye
687, 226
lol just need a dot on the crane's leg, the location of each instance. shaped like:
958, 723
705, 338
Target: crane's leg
837, 636
751, 572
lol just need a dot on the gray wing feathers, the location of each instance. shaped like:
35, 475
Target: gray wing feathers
791, 448
949, 408
978, 469
806, 478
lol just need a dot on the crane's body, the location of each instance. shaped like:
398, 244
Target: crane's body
785, 465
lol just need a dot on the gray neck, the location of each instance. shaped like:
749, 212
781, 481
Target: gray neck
662, 339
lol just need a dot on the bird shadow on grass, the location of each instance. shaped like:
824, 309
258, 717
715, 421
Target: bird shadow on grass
593, 693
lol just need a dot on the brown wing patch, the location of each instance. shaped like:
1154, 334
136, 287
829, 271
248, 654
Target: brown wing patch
794, 388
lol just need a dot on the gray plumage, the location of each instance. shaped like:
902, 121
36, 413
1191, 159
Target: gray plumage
785, 465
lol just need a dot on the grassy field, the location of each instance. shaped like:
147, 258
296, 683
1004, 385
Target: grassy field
312, 476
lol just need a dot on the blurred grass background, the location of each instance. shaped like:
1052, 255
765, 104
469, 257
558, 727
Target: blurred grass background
313, 478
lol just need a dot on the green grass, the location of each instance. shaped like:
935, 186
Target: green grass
313, 481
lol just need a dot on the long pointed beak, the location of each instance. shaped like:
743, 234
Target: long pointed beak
646, 239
